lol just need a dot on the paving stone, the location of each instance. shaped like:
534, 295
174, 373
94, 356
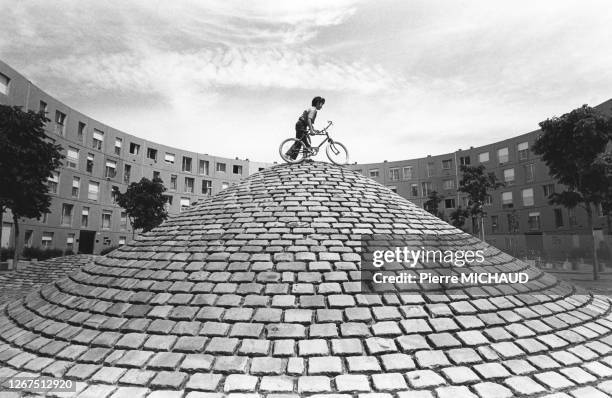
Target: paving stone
327, 365
352, 383
313, 384
492, 390
236, 382
460, 374
455, 392
524, 385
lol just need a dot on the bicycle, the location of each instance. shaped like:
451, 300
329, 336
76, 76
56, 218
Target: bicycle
336, 151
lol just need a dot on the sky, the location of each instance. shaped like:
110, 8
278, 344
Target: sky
402, 79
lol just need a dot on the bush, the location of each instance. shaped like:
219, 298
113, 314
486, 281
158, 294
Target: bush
41, 254
108, 250
6, 253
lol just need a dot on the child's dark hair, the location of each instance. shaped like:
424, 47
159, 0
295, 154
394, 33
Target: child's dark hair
317, 100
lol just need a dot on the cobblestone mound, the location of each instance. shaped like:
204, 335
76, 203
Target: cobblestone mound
256, 291
18, 283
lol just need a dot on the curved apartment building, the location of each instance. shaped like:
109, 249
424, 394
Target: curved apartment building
519, 217
83, 216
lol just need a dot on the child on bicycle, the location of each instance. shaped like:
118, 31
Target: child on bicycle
304, 125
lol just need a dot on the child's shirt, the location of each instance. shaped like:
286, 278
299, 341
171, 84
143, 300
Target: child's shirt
310, 113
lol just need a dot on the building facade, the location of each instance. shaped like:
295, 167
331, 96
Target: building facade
519, 218
83, 215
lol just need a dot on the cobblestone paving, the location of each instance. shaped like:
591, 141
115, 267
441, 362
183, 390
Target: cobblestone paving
16, 284
255, 293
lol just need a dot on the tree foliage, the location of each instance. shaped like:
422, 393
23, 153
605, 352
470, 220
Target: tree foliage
144, 203
477, 185
572, 146
27, 159
432, 203
458, 217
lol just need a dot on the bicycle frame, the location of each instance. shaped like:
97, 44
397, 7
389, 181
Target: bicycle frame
327, 138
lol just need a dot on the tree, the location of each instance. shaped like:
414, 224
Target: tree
144, 203
433, 203
570, 146
477, 185
458, 217
27, 159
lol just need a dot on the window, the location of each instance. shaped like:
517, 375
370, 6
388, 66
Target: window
72, 157
121, 240
488, 200
111, 169
169, 158
509, 176
114, 194
465, 201
42, 107
534, 221
528, 197
168, 203
464, 160
85, 217
393, 188
90, 163
236, 169
123, 220
529, 172
173, 182
67, 214
426, 187
206, 187
523, 150
449, 203
494, 224
127, 171
60, 123
414, 190
407, 173
558, 218
76, 185
507, 200
118, 144
189, 184
483, 157
449, 184
27, 239
394, 174
4, 84
106, 219
47, 240
204, 167
224, 185
571, 216
156, 175
152, 153
70, 242
513, 222
549, 189
430, 169
187, 164
184, 203
447, 164
134, 148
221, 167
98, 139
53, 181
81, 131
502, 155
94, 189
374, 173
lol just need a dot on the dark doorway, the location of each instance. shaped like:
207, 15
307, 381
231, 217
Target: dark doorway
86, 241
534, 243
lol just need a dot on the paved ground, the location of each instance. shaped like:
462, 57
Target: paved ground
17, 284
255, 292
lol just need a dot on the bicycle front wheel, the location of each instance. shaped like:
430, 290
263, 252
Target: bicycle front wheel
292, 150
337, 153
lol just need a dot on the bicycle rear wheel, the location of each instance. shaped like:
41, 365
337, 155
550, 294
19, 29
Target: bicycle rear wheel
337, 153
292, 150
